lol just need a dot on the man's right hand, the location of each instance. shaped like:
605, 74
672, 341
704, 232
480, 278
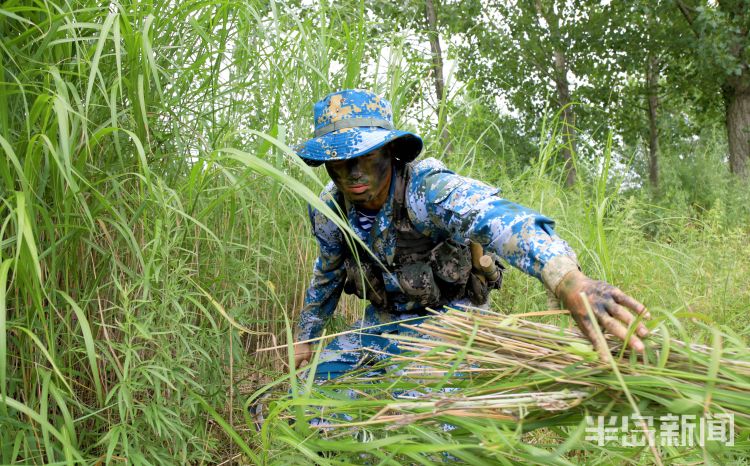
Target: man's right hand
302, 353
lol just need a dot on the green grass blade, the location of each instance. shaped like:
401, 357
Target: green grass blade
4, 268
36, 417
228, 429
88, 339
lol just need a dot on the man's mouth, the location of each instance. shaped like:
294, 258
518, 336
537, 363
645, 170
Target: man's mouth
358, 188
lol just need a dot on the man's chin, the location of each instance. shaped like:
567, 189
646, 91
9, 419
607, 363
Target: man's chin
358, 198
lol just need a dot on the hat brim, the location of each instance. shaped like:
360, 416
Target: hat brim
348, 143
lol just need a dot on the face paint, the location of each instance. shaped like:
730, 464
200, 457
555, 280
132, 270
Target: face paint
363, 180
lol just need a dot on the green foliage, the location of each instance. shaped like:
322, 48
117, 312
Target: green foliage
153, 230
720, 41
487, 142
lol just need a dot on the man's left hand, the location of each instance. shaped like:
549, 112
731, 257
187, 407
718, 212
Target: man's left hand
609, 305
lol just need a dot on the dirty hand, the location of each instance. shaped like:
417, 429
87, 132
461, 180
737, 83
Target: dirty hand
610, 306
302, 353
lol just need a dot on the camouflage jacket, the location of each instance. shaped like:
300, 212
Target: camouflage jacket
441, 205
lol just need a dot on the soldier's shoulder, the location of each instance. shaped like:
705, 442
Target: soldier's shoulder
427, 171
428, 166
324, 227
432, 182
329, 195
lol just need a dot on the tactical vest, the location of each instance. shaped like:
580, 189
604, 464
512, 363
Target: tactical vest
429, 273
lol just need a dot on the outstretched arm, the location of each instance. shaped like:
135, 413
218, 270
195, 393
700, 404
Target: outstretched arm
463, 208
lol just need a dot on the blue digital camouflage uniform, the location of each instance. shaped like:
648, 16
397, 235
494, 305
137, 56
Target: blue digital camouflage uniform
441, 205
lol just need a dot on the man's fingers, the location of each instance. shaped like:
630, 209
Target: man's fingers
629, 302
302, 353
616, 328
584, 323
619, 312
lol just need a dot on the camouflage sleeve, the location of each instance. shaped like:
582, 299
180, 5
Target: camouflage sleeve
462, 208
324, 291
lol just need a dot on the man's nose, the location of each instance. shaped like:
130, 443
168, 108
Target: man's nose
355, 170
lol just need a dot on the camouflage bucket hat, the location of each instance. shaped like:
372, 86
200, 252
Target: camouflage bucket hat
351, 123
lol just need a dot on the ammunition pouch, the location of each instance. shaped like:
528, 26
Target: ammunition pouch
451, 262
418, 282
365, 280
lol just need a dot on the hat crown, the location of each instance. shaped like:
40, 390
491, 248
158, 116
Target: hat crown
349, 104
353, 122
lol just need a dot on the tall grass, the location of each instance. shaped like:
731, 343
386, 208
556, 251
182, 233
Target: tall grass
134, 243
153, 234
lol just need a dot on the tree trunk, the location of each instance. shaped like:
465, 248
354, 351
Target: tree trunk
437, 70
652, 90
568, 117
737, 105
560, 76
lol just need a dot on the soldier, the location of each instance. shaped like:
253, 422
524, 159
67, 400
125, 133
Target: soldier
419, 220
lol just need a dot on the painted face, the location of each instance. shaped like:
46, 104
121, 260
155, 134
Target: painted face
363, 180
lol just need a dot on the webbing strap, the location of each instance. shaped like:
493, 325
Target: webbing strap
399, 193
353, 123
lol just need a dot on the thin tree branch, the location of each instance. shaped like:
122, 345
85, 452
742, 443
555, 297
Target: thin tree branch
687, 14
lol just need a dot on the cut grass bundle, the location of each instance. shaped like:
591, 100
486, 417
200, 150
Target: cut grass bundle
476, 372
677, 376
